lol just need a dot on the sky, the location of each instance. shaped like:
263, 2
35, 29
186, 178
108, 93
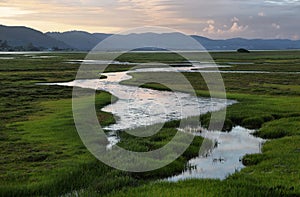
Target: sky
217, 19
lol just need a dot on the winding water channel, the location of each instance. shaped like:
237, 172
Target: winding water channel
139, 106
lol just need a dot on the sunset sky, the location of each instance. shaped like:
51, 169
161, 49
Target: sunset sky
214, 19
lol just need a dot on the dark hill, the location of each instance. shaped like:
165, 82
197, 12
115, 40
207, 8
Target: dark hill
79, 40
23, 36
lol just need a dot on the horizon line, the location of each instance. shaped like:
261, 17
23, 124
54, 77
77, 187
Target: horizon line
85, 31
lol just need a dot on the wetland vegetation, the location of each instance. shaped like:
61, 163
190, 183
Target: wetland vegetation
42, 154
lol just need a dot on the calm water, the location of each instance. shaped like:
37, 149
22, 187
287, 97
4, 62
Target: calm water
204, 68
225, 158
138, 107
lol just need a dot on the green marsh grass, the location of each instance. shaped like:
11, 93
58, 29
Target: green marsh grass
41, 153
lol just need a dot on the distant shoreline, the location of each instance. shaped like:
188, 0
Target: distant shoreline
210, 51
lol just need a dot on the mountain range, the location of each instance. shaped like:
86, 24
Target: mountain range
17, 37
22, 36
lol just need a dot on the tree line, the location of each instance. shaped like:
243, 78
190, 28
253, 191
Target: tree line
5, 46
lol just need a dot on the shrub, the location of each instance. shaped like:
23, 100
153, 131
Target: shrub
241, 50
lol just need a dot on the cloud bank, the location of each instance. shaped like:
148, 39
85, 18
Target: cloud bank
216, 19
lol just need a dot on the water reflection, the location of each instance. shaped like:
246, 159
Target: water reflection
224, 157
138, 107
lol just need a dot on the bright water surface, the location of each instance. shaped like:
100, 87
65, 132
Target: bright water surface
138, 107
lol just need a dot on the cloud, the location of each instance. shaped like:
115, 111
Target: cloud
210, 29
235, 19
215, 19
6, 12
276, 26
235, 28
211, 22
283, 2
296, 37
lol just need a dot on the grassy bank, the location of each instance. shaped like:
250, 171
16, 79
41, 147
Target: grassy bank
41, 153
267, 102
48, 157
